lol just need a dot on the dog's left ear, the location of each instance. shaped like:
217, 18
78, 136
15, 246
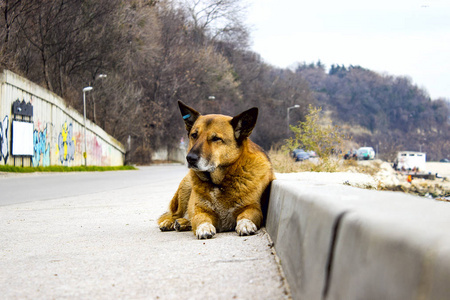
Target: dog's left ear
244, 123
189, 115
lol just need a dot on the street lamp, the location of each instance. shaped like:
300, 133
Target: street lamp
99, 76
86, 89
288, 109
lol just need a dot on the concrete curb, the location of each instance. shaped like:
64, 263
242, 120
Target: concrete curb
340, 242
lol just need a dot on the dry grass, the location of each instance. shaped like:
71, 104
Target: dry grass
370, 167
283, 163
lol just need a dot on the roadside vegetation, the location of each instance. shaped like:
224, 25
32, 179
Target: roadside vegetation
315, 135
325, 140
13, 169
284, 163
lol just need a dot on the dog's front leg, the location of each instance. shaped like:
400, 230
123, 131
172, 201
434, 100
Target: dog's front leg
203, 219
202, 225
173, 219
249, 220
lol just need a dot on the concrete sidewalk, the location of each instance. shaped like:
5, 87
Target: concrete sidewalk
107, 246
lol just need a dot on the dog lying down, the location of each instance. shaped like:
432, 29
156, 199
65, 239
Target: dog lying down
229, 178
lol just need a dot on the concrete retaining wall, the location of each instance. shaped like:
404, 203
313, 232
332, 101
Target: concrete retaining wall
57, 130
340, 242
170, 154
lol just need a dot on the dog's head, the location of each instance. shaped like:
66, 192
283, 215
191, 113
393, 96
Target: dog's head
215, 140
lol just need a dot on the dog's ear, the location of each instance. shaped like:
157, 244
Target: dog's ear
244, 123
189, 115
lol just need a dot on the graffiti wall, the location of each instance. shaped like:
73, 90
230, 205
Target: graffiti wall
41, 147
66, 144
4, 149
37, 128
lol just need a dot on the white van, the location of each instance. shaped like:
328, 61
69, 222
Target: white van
409, 160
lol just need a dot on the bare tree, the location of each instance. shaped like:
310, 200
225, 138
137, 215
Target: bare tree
216, 19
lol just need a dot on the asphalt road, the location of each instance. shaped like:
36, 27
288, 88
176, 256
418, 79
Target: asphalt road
22, 188
94, 236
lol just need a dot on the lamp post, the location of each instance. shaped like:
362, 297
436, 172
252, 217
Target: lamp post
86, 89
216, 104
100, 76
288, 109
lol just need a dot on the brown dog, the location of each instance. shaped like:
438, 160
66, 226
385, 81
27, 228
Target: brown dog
229, 175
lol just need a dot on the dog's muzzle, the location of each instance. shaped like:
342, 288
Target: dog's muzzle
192, 160
198, 163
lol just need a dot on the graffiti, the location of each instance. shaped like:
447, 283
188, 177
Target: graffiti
96, 149
41, 147
66, 144
4, 139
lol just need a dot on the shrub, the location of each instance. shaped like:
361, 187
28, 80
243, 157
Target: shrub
325, 140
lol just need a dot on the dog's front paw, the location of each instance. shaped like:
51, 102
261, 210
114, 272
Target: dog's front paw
246, 227
205, 231
166, 225
182, 224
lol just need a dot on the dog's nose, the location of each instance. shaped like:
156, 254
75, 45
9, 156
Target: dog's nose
192, 159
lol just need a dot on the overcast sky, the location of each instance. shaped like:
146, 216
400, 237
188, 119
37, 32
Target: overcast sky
396, 37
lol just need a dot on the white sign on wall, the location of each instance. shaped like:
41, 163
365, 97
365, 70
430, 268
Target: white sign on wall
22, 138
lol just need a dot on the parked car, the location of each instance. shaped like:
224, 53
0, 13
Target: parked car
365, 153
446, 160
300, 155
352, 154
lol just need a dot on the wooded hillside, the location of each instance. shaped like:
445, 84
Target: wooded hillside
157, 52
382, 111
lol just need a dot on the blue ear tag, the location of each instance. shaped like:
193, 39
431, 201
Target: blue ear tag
186, 116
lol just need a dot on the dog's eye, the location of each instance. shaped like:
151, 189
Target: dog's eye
194, 135
216, 139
